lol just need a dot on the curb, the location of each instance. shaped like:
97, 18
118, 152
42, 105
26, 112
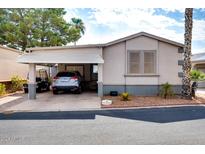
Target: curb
11, 103
11, 94
100, 109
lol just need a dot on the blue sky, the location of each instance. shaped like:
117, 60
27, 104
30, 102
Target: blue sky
104, 25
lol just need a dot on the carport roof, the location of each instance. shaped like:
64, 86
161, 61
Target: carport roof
200, 57
61, 58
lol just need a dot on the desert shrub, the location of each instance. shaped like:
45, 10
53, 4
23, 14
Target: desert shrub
125, 96
50, 80
16, 83
197, 75
2, 89
166, 90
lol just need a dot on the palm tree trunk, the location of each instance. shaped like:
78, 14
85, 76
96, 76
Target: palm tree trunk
186, 81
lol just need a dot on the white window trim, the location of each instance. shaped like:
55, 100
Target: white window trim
141, 62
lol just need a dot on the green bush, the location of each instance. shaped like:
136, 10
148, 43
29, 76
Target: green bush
125, 96
16, 83
2, 89
197, 75
166, 90
50, 80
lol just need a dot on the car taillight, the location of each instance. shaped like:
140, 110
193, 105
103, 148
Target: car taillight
74, 78
55, 78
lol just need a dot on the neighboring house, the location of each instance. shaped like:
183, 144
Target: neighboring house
137, 64
198, 62
9, 65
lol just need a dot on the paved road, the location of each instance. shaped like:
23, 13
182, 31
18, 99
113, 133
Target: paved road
182, 125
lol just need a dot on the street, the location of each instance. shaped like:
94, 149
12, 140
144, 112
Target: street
176, 125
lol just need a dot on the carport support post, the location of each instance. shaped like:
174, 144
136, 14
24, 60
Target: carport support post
100, 80
32, 82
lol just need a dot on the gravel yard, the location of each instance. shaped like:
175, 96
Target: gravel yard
145, 101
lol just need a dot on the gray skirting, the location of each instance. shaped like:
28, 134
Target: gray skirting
32, 91
141, 90
100, 89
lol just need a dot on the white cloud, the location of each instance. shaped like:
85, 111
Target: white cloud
181, 10
133, 21
199, 30
124, 22
70, 13
198, 50
133, 18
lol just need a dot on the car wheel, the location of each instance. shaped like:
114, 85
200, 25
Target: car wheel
39, 90
55, 92
79, 91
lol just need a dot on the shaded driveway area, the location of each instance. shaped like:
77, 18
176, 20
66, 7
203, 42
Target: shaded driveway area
177, 125
46, 101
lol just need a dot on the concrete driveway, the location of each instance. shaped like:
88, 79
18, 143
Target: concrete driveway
201, 91
62, 102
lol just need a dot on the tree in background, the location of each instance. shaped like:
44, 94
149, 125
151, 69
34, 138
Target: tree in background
23, 28
78, 25
186, 81
197, 75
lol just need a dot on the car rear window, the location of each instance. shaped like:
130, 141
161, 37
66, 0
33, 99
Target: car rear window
65, 74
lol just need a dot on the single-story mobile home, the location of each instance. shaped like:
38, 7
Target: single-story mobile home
198, 63
137, 64
8, 65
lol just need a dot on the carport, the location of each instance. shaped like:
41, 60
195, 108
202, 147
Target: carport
51, 56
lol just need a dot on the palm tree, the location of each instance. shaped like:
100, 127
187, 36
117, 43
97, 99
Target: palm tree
79, 26
186, 81
78, 23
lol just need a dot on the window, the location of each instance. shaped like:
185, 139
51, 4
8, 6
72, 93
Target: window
149, 64
95, 68
141, 62
134, 62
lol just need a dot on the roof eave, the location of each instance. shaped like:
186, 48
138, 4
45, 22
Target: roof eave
198, 61
11, 49
66, 47
147, 35
110, 43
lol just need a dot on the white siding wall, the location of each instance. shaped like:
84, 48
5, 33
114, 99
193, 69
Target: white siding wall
115, 63
9, 66
142, 43
140, 80
168, 64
